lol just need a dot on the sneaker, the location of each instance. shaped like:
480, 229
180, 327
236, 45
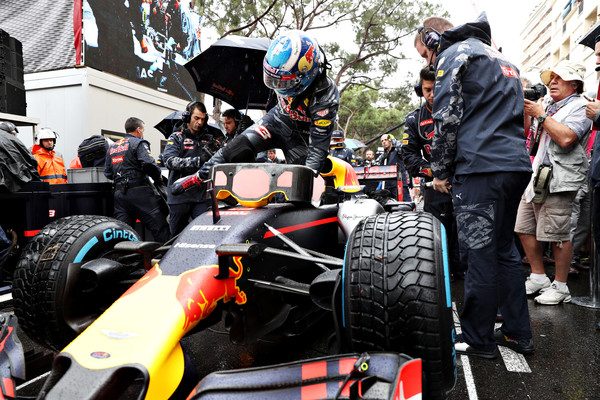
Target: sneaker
463, 348
532, 287
523, 346
553, 296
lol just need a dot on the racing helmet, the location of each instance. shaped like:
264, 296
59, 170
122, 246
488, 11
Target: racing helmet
9, 127
337, 138
45, 133
292, 63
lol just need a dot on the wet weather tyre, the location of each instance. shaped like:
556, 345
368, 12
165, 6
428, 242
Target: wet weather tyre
62, 311
23, 295
396, 294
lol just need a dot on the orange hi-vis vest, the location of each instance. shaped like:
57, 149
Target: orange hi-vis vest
51, 166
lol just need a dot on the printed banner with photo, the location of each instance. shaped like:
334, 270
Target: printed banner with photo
145, 41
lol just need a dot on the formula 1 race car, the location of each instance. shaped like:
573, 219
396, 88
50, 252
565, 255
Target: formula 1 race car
325, 253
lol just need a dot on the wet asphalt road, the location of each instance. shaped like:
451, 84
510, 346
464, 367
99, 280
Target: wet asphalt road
566, 364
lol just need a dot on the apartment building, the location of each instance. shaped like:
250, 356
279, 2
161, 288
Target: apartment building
553, 32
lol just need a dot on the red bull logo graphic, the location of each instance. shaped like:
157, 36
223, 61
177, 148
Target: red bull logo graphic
121, 146
199, 291
306, 62
350, 178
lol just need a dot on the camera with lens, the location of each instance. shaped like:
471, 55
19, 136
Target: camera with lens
535, 92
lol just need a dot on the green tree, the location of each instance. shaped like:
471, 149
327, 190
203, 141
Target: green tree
359, 64
378, 26
366, 113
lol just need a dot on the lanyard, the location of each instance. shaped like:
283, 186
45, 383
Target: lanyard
540, 129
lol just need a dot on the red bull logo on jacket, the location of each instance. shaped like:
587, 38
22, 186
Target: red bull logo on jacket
199, 291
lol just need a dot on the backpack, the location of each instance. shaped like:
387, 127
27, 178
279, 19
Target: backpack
92, 151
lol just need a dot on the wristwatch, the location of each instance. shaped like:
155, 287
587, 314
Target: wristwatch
542, 118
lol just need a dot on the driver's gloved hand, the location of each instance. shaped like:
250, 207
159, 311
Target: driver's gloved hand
186, 183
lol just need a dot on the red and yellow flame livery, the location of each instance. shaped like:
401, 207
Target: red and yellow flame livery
129, 332
344, 176
198, 291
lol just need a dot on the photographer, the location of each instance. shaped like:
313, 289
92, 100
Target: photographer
186, 151
479, 146
560, 167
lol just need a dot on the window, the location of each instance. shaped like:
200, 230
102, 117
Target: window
565, 49
580, 8
566, 10
590, 20
555, 57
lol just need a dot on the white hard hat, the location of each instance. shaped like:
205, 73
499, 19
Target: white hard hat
45, 133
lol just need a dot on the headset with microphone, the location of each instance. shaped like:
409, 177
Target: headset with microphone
237, 116
419, 89
429, 37
186, 116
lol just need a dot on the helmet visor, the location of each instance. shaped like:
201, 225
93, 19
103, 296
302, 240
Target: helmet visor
280, 83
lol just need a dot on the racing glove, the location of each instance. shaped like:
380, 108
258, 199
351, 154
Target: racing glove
186, 183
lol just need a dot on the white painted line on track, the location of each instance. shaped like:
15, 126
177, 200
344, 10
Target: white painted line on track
29, 382
514, 361
469, 380
466, 365
5, 297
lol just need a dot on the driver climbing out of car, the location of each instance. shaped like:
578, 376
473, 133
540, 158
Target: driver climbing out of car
302, 121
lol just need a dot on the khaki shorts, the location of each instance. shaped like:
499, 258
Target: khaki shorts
549, 221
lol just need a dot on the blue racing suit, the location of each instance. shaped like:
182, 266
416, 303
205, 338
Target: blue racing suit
300, 126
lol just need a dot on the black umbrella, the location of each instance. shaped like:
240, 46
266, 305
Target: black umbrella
231, 70
589, 39
169, 124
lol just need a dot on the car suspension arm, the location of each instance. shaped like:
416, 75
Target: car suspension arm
256, 249
292, 244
